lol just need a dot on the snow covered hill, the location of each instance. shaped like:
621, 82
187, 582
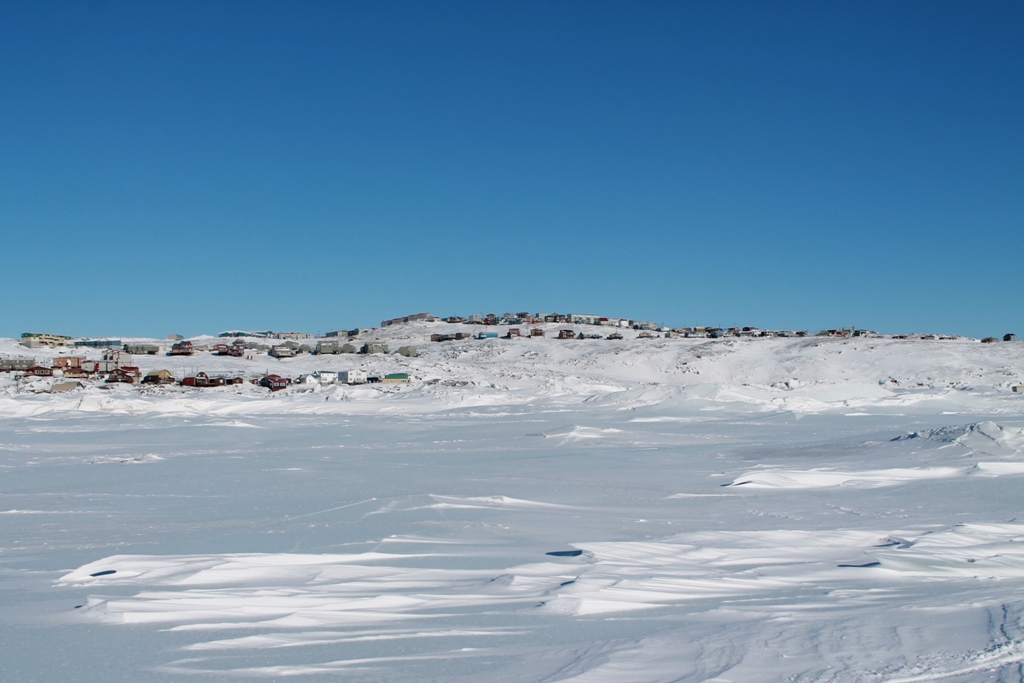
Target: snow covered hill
800, 374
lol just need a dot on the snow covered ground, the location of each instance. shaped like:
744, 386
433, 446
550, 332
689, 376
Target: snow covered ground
528, 510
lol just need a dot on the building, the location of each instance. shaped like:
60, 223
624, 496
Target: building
122, 375
275, 382
158, 377
68, 362
582, 319
374, 347
39, 371
61, 387
325, 376
1010, 337
142, 349
15, 364
408, 352
181, 348
99, 343
352, 377
408, 319
198, 380
235, 350
34, 340
360, 332
281, 351
1019, 389
397, 377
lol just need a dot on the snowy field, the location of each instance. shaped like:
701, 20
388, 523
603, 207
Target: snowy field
530, 510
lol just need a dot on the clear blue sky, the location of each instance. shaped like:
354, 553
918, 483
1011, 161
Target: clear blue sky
199, 166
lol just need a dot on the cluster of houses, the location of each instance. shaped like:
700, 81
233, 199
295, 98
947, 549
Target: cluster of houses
525, 318
115, 367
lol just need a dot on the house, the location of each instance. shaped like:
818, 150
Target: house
234, 350
198, 380
39, 371
281, 351
325, 376
536, 332
513, 332
566, 334
486, 335
68, 362
16, 364
98, 366
132, 370
120, 358
408, 352
1009, 337
397, 377
275, 382
121, 375
1019, 389
157, 377
77, 373
614, 335
352, 377
374, 347
327, 347
142, 349
181, 348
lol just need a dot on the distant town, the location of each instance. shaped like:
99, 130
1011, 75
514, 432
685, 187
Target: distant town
71, 367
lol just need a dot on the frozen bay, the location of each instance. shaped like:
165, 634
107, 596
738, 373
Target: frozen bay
698, 535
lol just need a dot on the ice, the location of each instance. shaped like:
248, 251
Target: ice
532, 510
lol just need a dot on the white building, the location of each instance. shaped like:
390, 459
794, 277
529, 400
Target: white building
326, 376
352, 376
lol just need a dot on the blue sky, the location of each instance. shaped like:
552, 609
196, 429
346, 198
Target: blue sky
198, 166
